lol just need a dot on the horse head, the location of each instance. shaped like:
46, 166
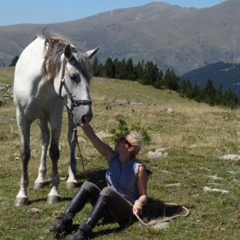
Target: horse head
74, 87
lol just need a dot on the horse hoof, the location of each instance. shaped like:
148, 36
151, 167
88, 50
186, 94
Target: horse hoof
21, 202
72, 185
38, 186
53, 200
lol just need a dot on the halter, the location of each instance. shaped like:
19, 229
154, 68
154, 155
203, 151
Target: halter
74, 102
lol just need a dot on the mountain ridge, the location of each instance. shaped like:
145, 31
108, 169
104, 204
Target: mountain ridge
173, 37
220, 73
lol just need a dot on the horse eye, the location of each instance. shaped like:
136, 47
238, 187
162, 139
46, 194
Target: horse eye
75, 77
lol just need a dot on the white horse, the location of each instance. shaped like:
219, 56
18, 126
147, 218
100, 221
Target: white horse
50, 74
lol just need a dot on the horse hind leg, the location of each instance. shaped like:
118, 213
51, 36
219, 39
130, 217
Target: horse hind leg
72, 170
42, 170
72, 141
53, 196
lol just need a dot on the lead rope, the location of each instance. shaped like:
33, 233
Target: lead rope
75, 137
158, 222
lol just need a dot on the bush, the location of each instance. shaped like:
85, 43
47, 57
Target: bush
123, 129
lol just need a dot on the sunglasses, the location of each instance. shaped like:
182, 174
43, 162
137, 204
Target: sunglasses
125, 141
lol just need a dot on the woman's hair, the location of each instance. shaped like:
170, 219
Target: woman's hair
136, 141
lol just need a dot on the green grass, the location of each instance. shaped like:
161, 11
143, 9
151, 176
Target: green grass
195, 135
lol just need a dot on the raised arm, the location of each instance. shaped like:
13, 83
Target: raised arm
101, 147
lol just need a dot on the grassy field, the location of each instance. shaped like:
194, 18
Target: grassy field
194, 137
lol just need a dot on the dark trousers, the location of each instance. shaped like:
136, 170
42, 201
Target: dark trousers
116, 205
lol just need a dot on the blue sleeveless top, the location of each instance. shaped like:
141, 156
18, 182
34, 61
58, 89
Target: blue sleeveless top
124, 180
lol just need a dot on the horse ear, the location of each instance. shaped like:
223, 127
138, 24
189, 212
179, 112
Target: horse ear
91, 53
68, 52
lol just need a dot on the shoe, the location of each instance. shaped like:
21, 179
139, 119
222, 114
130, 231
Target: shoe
84, 232
63, 224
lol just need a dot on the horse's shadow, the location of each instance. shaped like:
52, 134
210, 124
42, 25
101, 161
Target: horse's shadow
96, 177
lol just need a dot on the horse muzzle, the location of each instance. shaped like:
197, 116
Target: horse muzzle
82, 114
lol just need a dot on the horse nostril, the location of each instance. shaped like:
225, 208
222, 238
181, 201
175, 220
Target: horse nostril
84, 119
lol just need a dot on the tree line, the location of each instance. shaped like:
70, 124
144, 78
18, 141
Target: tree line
148, 73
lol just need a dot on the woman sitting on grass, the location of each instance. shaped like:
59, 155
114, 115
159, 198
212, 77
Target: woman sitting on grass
126, 190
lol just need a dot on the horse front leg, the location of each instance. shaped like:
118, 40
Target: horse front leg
72, 141
53, 196
42, 170
22, 196
24, 127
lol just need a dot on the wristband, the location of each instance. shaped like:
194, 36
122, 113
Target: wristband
139, 201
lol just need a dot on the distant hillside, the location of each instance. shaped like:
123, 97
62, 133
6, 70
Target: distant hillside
179, 38
225, 74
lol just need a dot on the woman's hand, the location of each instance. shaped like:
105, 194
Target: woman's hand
137, 208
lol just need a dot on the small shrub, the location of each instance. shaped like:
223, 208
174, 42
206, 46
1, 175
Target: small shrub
123, 129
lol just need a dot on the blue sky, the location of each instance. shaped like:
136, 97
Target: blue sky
54, 11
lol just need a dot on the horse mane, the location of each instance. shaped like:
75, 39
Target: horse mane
55, 45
